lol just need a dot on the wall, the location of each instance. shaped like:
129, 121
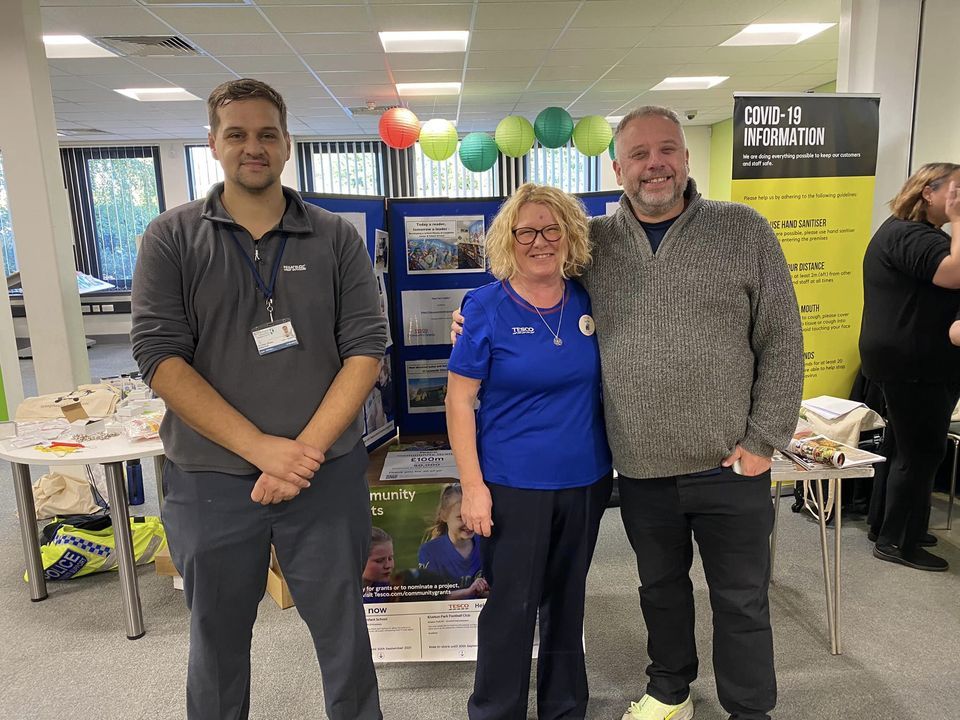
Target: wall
938, 105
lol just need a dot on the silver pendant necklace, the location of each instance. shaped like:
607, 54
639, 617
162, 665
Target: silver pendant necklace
556, 335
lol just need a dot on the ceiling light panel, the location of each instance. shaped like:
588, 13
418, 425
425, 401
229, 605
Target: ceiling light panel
689, 83
428, 89
173, 94
73, 46
776, 33
425, 41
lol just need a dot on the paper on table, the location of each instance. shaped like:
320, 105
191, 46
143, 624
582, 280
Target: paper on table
831, 407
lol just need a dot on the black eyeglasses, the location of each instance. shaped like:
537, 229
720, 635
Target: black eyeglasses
528, 235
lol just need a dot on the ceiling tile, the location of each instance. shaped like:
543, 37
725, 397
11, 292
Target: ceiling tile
257, 64
338, 18
241, 44
513, 39
99, 21
503, 15
623, 13
214, 19
421, 17
335, 42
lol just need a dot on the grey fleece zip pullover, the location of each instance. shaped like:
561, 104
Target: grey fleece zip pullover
700, 344
195, 297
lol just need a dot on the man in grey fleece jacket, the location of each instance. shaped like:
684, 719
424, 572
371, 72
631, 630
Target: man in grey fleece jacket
255, 317
702, 360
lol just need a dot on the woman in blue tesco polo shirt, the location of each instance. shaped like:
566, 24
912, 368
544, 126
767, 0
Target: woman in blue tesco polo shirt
534, 462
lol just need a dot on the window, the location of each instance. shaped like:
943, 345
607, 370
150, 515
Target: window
6, 228
563, 167
114, 193
449, 178
203, 170
342, 168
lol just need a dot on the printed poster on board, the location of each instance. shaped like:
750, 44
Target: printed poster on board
807, 163
445, 244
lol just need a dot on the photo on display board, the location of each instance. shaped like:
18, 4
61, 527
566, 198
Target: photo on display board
378, 410
420, 549
426, 315
383, 296
445, 244
426, 386
381, 250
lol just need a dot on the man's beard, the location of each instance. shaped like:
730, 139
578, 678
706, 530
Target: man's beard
656, 206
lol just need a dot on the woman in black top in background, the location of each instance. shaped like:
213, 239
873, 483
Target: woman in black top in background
911, 273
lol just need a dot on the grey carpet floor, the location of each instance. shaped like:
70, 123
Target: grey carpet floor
67, 657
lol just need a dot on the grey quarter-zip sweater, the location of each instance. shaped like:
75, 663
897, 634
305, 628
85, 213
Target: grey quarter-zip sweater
195, 297
701, 345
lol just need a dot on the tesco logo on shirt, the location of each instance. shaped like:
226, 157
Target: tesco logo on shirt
523, 331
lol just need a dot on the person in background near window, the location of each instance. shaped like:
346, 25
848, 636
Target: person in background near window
911, 273
262, 433
534, 462
702, 355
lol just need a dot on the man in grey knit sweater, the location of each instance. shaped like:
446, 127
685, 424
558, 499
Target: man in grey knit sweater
702, 359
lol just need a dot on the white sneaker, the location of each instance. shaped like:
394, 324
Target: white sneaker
649, 708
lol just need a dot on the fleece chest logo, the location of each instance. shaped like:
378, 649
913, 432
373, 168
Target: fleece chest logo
294, 268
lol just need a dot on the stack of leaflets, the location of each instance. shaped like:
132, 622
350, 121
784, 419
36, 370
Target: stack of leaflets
811, 451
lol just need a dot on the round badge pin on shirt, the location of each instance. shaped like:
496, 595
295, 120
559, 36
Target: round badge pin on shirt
587, 325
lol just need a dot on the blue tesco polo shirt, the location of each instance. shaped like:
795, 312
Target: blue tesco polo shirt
540, 422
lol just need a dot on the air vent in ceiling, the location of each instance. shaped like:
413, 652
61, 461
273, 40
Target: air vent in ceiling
148, 45
371, 108
81, 131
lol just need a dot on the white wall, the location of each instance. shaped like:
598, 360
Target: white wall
936, 137
698, 143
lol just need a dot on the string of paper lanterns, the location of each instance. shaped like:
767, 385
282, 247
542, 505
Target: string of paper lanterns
514, 136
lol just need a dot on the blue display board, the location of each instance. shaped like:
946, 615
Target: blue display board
596, 202
436, 254
369, 215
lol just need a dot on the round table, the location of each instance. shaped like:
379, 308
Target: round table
110, 453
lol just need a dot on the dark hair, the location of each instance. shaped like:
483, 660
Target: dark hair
243, 89
909, 203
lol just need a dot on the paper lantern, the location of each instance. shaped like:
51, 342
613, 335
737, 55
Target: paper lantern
399, 128
611, 148
553, 127
478, 152
592, 135
514, 136
438, 139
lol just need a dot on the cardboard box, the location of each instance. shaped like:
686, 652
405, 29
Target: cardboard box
164, 564
277, 587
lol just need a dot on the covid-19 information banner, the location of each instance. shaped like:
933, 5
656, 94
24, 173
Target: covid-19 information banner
807, 163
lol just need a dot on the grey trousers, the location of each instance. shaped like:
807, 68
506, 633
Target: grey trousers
220, 543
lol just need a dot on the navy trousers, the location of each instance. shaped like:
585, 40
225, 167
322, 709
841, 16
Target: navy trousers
536, 559
220, 542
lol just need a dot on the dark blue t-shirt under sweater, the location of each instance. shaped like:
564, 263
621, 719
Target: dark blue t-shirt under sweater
656, 231
540, 422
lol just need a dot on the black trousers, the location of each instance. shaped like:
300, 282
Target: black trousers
730, 517
536, 559
220, 542
914, 443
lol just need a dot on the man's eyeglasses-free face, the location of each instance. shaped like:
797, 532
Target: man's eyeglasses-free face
527, 235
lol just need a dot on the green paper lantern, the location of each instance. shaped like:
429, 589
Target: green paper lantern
592, 135
438, 139
612, 149
514, 136
553, 127
478, 152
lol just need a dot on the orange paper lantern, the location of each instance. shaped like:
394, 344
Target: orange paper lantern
399, 128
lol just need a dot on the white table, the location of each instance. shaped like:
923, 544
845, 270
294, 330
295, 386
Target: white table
834, 476
110, 453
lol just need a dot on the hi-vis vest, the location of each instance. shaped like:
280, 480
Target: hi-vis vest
82, 545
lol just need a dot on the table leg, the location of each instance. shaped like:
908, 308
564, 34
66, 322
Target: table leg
129, 589
158, 474
824, 552
27, 512
776, 521
837, 515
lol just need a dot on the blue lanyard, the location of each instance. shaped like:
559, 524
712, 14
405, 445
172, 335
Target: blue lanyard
267, 290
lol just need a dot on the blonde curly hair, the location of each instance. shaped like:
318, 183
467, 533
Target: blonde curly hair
569, 214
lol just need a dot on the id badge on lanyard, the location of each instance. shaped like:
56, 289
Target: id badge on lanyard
276, 334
